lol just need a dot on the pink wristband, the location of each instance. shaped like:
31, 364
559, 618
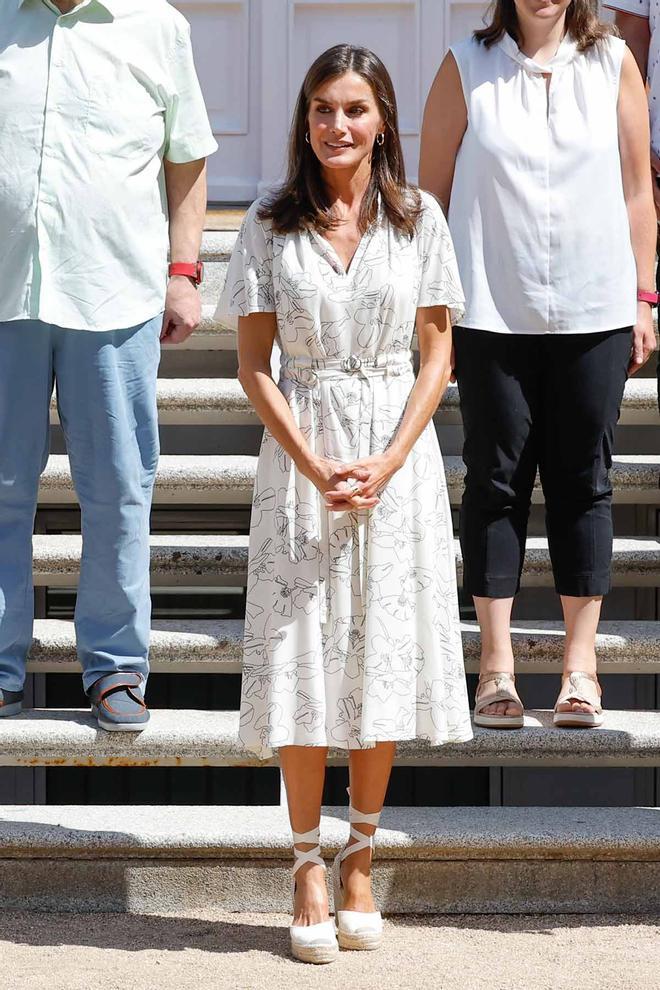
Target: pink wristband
644, 295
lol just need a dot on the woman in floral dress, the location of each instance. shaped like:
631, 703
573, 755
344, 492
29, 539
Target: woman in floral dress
352, 635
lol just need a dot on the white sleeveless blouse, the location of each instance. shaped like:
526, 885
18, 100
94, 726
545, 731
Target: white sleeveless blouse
537, 212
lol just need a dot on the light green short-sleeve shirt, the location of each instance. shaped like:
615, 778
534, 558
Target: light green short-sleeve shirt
90, 104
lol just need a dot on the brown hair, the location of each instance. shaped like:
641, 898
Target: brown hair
301, 202
582, 23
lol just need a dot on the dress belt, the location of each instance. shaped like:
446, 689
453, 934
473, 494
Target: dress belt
309, 372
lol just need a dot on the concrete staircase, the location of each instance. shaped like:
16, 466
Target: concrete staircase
464, 859
168, 859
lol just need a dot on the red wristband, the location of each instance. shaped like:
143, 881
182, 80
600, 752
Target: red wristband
194, 271
644, 295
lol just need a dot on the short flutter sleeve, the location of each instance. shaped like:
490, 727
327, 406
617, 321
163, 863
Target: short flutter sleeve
249, 283
440, 283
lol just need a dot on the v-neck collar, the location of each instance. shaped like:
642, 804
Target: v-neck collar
331, 256
330, 253
565, 53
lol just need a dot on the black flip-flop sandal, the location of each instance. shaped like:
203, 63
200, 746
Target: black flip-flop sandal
118, 702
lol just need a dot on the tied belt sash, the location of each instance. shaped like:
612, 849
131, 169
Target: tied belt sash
311, 373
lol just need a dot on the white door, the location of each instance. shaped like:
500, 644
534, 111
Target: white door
252, 55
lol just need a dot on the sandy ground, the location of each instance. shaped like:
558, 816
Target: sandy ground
249, 952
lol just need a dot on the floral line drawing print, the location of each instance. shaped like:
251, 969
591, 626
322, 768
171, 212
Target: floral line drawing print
352, 625
262, 502
299, 595
343, 648
288, 673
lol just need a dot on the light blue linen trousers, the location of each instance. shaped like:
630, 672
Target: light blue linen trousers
106, 397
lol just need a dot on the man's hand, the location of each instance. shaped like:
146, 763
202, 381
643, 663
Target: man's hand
183, 310
186, 200
655, 170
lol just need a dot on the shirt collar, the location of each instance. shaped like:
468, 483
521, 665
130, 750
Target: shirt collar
111, 6
565, 53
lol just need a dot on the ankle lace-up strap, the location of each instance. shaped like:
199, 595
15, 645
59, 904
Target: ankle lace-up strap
303, 856
362, 841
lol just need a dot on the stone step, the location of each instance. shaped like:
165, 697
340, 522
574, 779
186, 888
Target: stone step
179, 560
197, 646
182, 479
215, 646
427, 860
198, 402
203, 402
215, 275
217, 246
211, 334
229, 479
212, 561
227, 218
175, 738
222, 401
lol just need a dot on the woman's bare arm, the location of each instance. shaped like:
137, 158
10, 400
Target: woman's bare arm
443, 127
256, 335
634, 142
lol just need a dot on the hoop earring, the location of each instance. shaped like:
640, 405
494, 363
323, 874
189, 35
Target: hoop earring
380, 140
307, 137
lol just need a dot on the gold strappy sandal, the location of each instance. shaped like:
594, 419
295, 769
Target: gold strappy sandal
579, 686
491, 689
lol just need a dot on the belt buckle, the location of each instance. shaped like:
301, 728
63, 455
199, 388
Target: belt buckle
351, 364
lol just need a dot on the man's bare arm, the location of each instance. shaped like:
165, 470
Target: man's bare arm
186, 198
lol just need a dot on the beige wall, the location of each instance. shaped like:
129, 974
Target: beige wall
251, 56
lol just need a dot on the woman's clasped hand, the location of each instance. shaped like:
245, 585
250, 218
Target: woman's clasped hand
355, 486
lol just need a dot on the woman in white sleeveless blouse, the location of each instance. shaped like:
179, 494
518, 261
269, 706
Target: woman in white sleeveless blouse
536, 139
352, 635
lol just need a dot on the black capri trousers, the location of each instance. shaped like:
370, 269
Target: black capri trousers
549, 402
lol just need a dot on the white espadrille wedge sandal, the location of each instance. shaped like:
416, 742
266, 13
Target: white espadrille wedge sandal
311, 943
356, 929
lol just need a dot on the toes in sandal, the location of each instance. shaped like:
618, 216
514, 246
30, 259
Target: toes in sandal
582, 688
118, 702
494, 688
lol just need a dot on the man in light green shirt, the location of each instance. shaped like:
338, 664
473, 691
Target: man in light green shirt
103, 141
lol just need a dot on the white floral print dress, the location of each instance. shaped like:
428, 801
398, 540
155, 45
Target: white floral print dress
352, 629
